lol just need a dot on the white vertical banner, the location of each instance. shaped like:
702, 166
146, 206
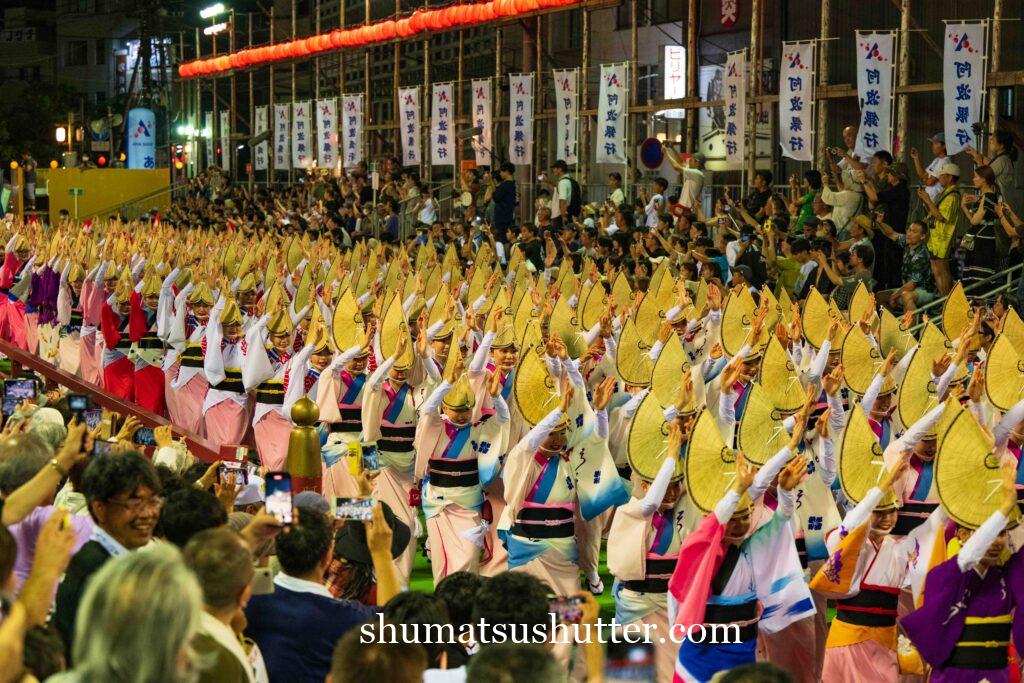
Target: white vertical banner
483, 106
442, 128
611, 115
567, 105
520, 119
282, 137
259, 160
352, 129
208, 137
225, 139
302, 135
796, 101
964, 63
327, 133
409, 124
875, 67
735, 97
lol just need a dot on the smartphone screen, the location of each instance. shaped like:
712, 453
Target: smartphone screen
239, 469
20, 388
279, 496
78, 402
101, 447
92, 418
567, 610
354, 508
371, 459
10, 405
144, 437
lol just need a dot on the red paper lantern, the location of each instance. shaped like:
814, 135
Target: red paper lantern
417, 22
334, 38
389, 29
488, 11
183, 70
223, 64
433, 20
402, 28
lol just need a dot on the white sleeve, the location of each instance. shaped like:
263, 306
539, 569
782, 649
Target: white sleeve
479, 362
818, 366
590, 336
343, 359
944, 381
535, 437
630, 407
727, 409
727, 506
655, 351
1006, 425
601, 422
871, 395
381, 373
433, 402
920, 428
656, 492
213, 359
433, 330
572, 368
977, 545
501, 409
837, 418
765, 475
787, 502
862, 511
827, 461
296, 373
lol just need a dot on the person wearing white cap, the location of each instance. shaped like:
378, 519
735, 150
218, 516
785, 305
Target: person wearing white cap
930, 176
945, 212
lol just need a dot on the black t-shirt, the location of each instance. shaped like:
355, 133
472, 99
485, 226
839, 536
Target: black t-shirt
504, 198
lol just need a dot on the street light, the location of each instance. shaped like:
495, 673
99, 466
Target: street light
215, 29
62, 134
212, 11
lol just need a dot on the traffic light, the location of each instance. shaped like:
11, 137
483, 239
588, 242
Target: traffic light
101, 161
218, 150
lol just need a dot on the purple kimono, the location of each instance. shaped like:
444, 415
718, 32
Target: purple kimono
954, 600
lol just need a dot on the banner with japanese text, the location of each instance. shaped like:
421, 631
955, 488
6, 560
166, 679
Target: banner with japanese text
520, 119
327, 133
796, 101
352, 129
875, 60
259, 161
735, 97
567, 104
225, 139
611, 115
302, 135
442, 128
963, 83
409, 124
282, 137
483, 107
208, 137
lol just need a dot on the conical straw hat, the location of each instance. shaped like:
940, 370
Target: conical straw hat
779, 378
347, 322
393, 327
917, 393
631, 360
761, 434
647, 443
534, 390
649, 316
294, 253
860, 360
710, 467
437, 313
860, 303
893, 336
669, 367
478, 287
967, 474
593, 306
1013, 327
816, 318
1004, 374
564, 325
861, 466
737, 318
621, 290
956, 312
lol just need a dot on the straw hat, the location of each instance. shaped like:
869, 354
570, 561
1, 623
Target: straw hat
280, 323
294, 253
202, 295
304, 290
277, 298
761, 434
437, 312
631, 360
957, 314
393, 327
317, 334
816, 318
649, 316
737, 318
232, 314
785, 306
860, 361
592, 307
709, 466
669, 367
860, 303
124, 289
461, 396
917, 393
893, 336
534, 390
1004, 373
621, 290
565, 325
861, 466
347, 322
229, 260
1013, 327
478, 287
647, 443
968, 474
779, 378
150, 285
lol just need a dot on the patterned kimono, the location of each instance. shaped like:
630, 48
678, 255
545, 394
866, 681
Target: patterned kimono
70, 321
263, 371
340, 398
226, 416
12, 308
118, 369
147, 352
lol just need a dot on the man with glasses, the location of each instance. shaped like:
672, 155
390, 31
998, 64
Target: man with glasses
123, 494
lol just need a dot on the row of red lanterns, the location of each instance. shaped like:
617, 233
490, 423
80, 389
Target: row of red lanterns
423, 20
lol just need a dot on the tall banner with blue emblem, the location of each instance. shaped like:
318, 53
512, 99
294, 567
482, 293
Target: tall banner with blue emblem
964, 63
796, 101
141, 138
875, 52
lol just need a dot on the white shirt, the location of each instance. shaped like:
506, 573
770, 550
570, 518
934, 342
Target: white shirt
692, 180
933, 170
617, 197
428, 212
652, 211
563, 190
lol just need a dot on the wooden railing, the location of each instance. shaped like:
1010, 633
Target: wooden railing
200, 447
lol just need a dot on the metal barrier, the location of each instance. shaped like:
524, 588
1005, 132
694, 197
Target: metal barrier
200, 447
1007, 275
